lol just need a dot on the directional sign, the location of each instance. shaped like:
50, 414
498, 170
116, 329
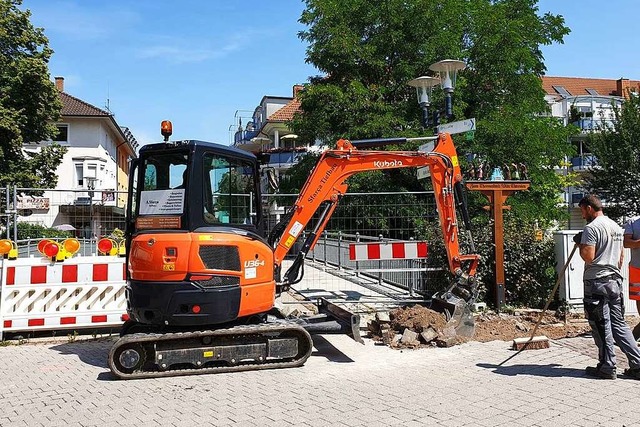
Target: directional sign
460, 126
425, 148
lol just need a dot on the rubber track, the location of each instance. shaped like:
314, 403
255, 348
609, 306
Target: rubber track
304, 340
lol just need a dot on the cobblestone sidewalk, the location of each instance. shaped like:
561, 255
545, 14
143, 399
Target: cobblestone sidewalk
342, 384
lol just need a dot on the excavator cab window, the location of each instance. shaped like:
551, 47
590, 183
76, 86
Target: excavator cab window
230, 195
164, 172
161, 191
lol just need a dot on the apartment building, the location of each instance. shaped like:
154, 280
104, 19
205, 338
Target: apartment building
90, 195
588, 104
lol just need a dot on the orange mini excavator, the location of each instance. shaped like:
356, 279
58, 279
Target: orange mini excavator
202, 281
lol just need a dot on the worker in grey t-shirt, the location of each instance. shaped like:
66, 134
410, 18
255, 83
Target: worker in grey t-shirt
601, 249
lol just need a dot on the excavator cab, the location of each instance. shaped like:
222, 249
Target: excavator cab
195, 251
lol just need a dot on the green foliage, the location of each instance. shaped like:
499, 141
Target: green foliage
369, 49
529, 265
29, 101
504, 58
615, 178
27, 230
507, 137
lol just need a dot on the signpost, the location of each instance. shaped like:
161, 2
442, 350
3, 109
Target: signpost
497, 193
460, 126
467, 127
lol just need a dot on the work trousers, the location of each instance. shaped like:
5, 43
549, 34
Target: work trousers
604, 308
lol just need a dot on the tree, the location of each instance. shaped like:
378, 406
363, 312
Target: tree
369, 49
616, 148
503, 89
29, 101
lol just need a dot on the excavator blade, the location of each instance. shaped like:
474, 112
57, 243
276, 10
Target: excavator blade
458, 313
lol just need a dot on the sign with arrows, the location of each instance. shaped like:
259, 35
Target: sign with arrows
460, 126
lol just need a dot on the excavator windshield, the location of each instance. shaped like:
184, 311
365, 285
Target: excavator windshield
188, 185
229, 191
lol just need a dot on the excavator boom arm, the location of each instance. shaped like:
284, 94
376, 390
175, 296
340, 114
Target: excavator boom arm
326, 184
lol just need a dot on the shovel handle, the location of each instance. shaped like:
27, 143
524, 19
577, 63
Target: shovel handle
553, 292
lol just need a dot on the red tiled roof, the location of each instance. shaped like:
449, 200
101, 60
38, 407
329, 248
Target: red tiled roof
286, 113
72, 106
579, 85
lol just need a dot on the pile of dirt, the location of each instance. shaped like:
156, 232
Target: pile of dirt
417, 326
411, 327
506, 327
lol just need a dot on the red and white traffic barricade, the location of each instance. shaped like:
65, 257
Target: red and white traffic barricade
81, 292
376, 251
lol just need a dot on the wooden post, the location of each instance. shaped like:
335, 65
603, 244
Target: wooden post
497, 193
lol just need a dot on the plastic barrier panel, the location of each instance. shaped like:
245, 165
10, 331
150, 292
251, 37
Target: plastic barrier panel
389, 250
38, 294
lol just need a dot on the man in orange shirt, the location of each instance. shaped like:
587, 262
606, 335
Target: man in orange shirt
632, 241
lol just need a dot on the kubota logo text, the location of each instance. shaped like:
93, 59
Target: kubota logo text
387, 164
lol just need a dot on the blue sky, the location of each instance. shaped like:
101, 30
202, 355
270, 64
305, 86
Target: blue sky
199, 63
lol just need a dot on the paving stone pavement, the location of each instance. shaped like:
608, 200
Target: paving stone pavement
342, 384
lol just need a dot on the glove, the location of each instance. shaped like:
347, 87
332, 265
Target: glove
577, 238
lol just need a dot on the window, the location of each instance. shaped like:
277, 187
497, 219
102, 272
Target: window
561, 90
229, 193
79, 174
150, 177
163, 172
63, 134
92, 176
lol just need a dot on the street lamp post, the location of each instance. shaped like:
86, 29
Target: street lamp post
424, 87
447, 70
91, 186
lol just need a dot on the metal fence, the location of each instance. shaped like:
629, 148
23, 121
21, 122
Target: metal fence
359, 217
373, 217
84, 214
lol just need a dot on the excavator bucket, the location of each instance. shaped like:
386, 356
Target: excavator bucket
457, 312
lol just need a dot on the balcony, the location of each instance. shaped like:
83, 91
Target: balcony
590, 124
583, 162
283, 158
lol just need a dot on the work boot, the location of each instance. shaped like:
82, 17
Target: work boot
596, 372
636, 332
632, 373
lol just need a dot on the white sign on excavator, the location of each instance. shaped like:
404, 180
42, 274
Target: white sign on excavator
460, 126
423, 172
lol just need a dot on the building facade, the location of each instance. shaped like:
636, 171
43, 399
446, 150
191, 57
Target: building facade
588, 104
90, 194
266, 134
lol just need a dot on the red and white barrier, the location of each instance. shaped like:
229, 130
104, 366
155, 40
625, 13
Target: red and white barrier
37, 294
387, 251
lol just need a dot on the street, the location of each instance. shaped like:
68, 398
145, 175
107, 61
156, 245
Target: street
342, 384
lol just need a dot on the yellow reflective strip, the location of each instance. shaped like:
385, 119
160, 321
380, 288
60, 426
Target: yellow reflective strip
207, 354
454, 160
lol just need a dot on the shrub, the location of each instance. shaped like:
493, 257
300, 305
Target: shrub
27, 230
529, 265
